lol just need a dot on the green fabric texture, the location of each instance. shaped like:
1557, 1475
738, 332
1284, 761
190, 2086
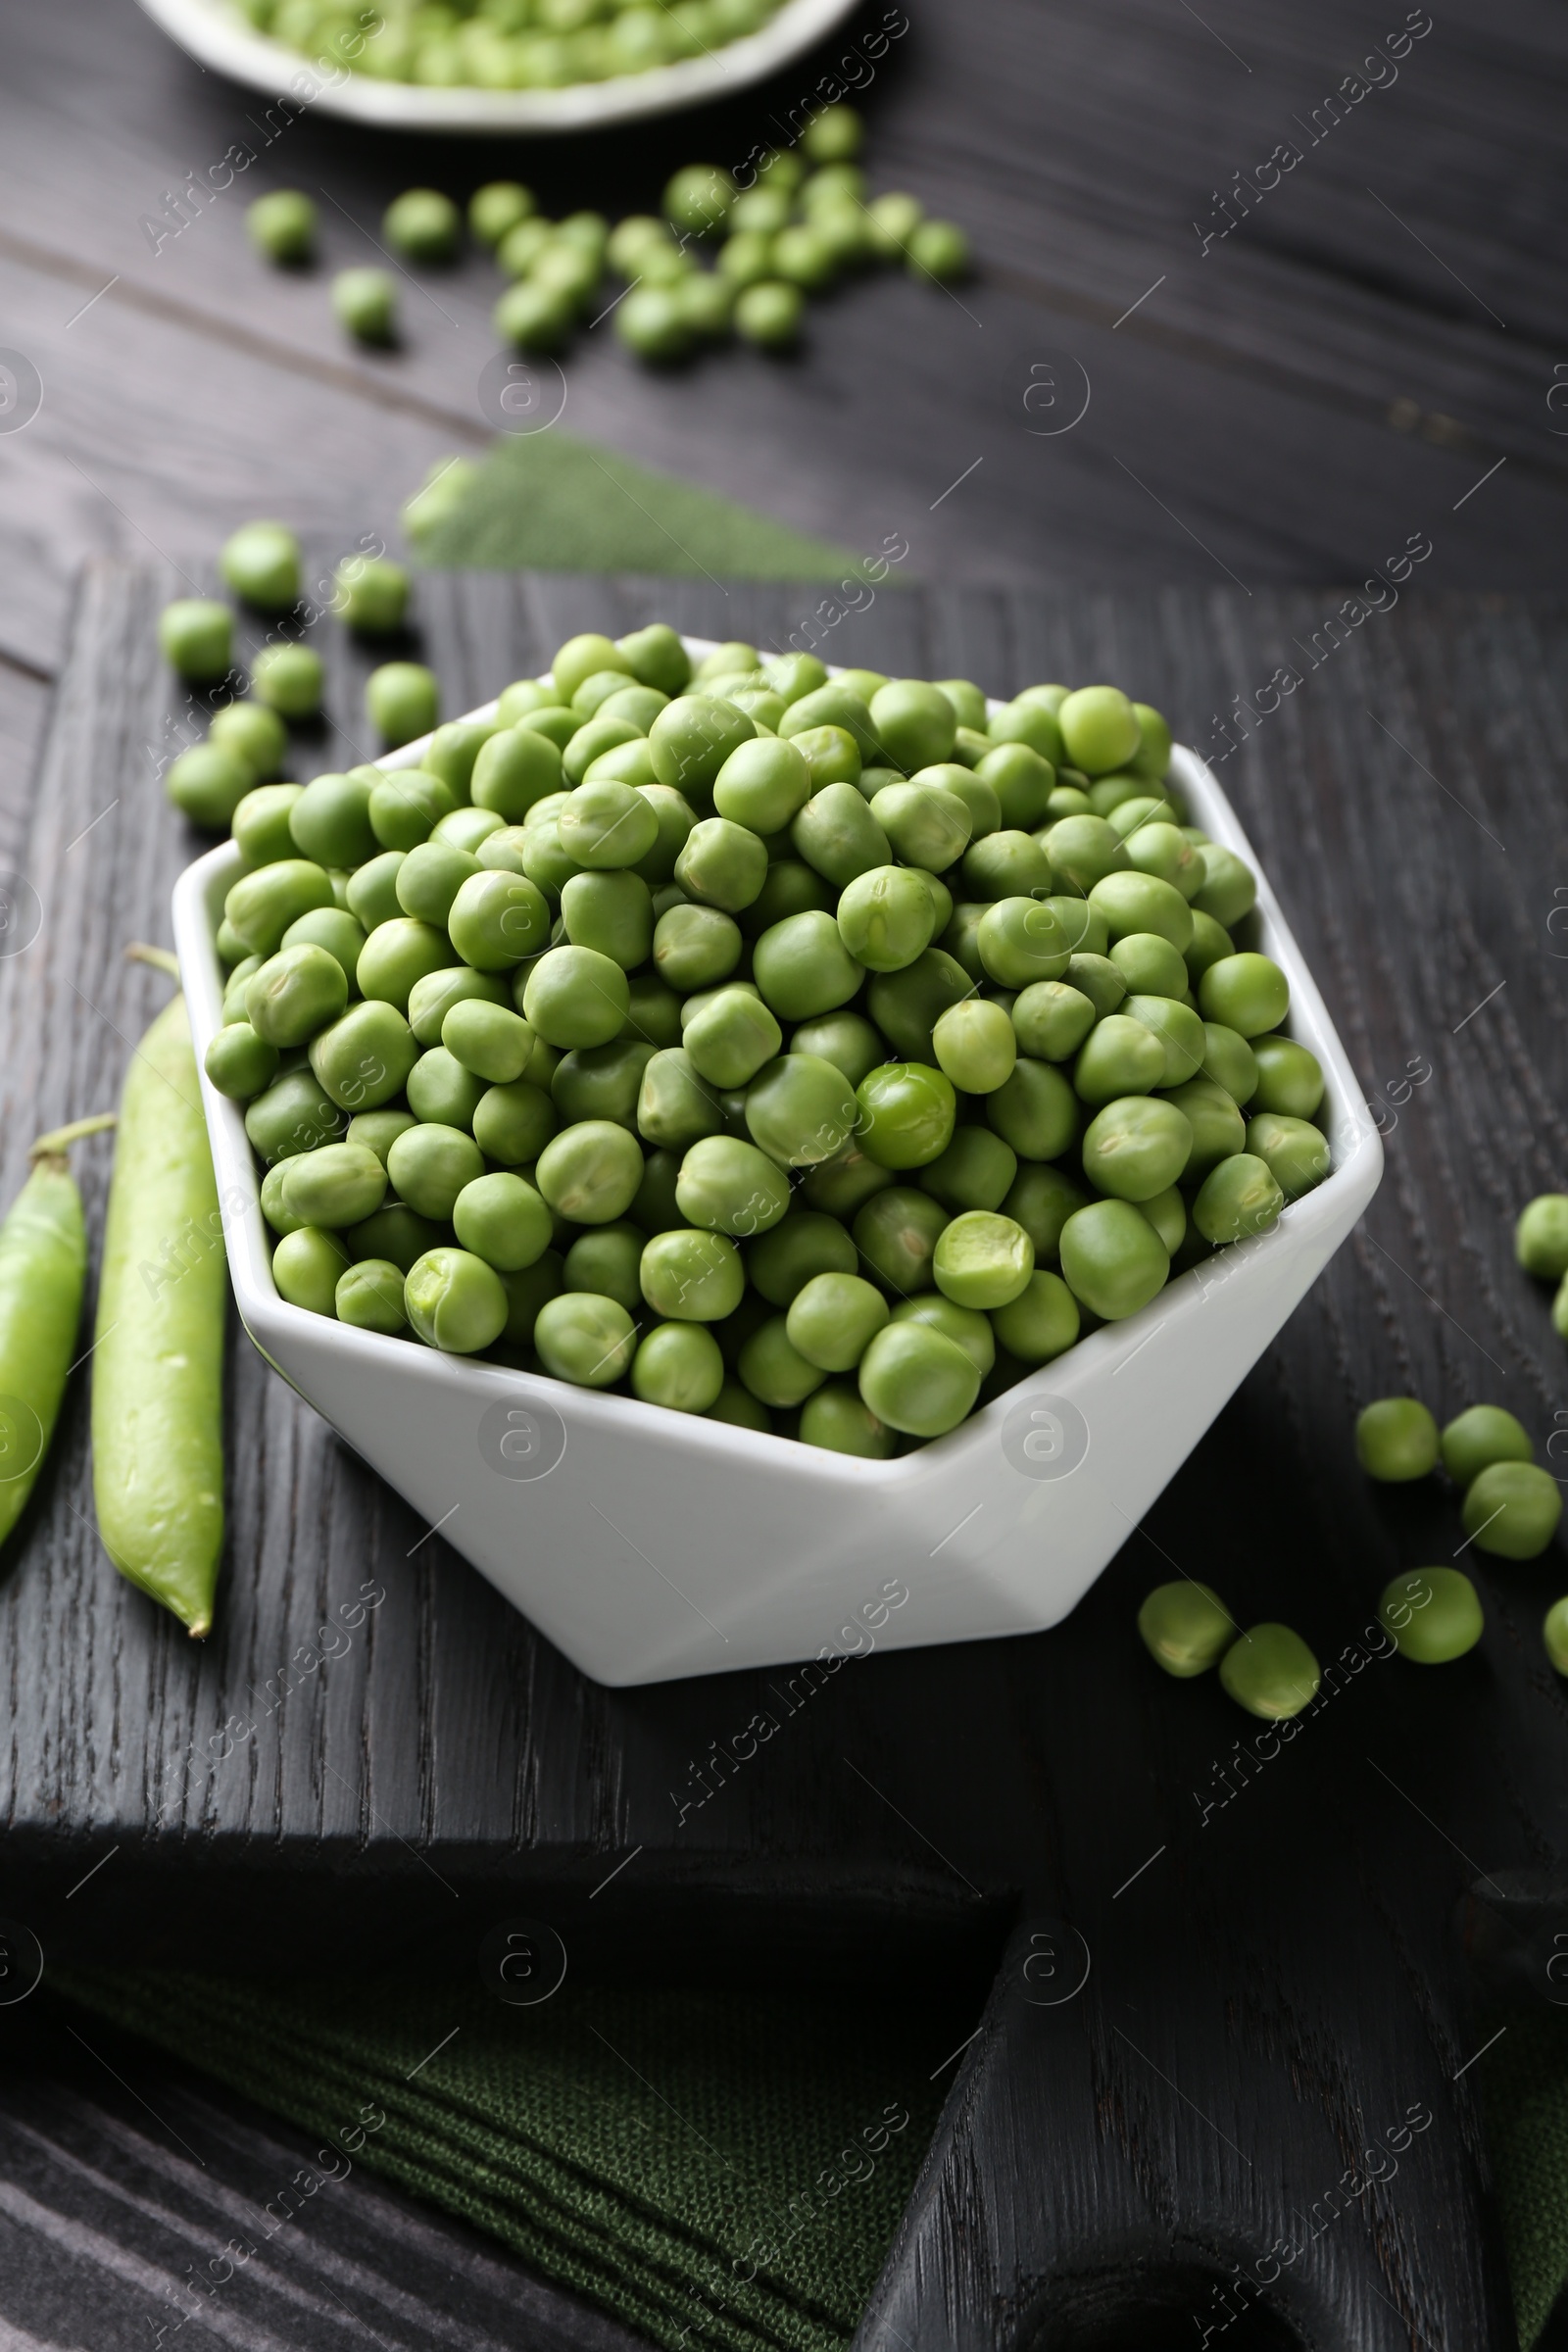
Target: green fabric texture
544, 501
720, 2171
1524, 2085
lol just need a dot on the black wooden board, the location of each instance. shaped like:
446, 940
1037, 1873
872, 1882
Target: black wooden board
1273, 1982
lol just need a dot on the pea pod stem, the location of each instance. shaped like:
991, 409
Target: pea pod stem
162, 959
53, 1144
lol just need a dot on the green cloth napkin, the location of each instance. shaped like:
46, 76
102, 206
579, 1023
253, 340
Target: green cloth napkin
719, 2171
544, 501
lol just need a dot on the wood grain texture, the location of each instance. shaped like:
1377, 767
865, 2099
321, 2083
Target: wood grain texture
1273, 1982
1333, 373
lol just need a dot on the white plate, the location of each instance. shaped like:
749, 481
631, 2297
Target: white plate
650, 1545
218, 36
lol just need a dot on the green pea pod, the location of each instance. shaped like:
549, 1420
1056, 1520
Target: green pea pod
158, 1365
43, 1266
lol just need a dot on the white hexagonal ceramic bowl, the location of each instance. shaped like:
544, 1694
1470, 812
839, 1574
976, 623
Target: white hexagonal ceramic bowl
215, 34
650, 1545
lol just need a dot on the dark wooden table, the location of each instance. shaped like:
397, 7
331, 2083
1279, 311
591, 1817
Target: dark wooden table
1346, 369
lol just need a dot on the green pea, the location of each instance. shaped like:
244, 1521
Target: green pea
368, 1295
1020, 941
587, 1340
1085, 850
805, 1245
846, 1039
488, 1040
1248, 993
1096, 977
836, 835
1112, 1260
514, 1121
834, 1418
1229, 1060
844, 1184
260, 562
1289, 1078
1554, 1631
290, 679
1024, 721
370, 594
373, 892
1270, 1672
260, 822
1209, 944
1136, 1148
1396, 1439
915, 1379
1218, 1129
1100, 729
675, 1106
1236, 1199
965, 1326
305, 1266
402, 701
455, 1302
833, 1319
1131, 901
332, 929
330, 821
692, 738
656, 656
721, 865
1433, 1613
907, 1006
764, 785
1035, 1110
604, 826
197, 638
503, 1220
543, 860
678, 1365
928, 825
907, 1114
694, 947
886, 917
239, 1063
731, 1037
377, 1130
1559, 1310
601, 1082
430, 879
207, 784
983, 1260
728, 1185
691, 1276
897, 1233
1167, 1214
977, 1170
1149, 965
341, 1183
590, 1172
1161, 849
1022, 782
452, 749
831, 753
1295, 1152
234, 991
576, 996
1477, 1438
498, 919
555, 725
799, 1109
612, 913
1180, 1032
433, 997
294, 1114
397, 955
1229, 887
1186, 1627
1540, 1237
294, 994
441, 1091
1041, 1323
1006, 864
975, 1046
260, 907
527, 1294
1050, 1019
1120, 1056
513, 771
606, 1260
429, 1165
915, 724
803, 968
673, 820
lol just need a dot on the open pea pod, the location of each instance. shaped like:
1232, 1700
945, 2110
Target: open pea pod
158, 1361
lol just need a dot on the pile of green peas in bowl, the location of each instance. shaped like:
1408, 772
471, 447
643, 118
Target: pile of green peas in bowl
505, 44
816, 1053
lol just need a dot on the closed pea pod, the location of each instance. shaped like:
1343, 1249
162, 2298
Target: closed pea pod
43, 1267
157, 1366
